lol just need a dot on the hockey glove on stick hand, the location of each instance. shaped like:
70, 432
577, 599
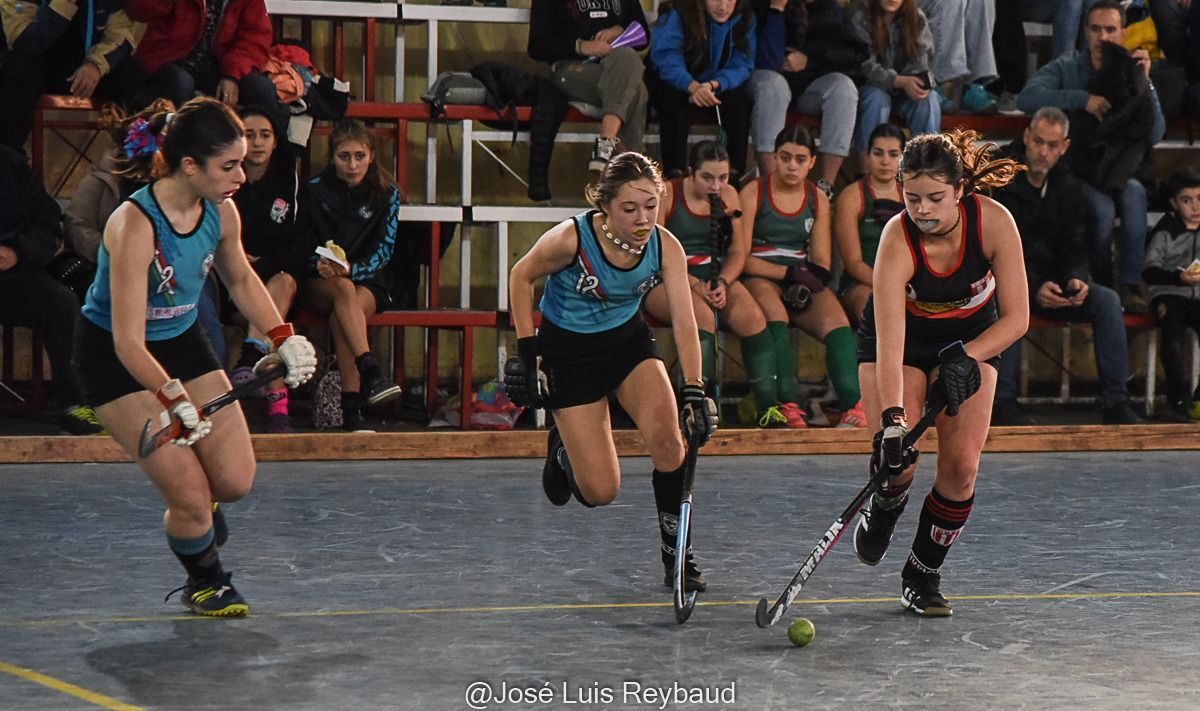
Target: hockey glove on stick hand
175, 399
803, 279
698, 416
959, 375
893, 429
296, 352
523, 380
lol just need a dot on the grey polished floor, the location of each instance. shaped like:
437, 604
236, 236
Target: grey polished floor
398, 585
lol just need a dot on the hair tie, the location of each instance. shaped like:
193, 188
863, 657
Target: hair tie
140, 139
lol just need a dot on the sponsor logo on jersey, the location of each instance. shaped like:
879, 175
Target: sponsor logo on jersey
648, 283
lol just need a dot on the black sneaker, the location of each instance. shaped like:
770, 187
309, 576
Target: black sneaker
875, 529
693, 579
216, 598
80, 420
602, 152
377, 388
1122, 414
220, 525
922, 594
1007, 413
554, 475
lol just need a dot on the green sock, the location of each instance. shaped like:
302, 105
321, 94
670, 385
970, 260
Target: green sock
841, 362
759, 354
785, 361
708, 356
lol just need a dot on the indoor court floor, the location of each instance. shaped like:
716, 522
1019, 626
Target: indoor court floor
454, 584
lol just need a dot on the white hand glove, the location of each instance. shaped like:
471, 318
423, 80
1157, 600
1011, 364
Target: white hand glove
175, 399
297, 354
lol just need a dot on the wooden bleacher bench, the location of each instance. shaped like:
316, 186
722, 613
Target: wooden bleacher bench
461, 320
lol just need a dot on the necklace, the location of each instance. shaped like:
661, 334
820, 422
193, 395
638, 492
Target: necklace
635, 251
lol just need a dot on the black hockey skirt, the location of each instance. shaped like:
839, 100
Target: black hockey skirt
585, 367
103, 377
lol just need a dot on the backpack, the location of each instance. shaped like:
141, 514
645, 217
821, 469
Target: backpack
453, 88
327, 397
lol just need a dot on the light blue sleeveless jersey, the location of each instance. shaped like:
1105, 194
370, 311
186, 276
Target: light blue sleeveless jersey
176, 277
592, 295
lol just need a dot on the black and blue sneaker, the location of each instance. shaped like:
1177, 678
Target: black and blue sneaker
214, 598
554, 473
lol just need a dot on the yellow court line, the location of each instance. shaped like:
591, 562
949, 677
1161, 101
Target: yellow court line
565, 607
78, 692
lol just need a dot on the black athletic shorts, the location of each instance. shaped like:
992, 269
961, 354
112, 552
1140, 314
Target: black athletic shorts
922, 345
102, 376
585, 367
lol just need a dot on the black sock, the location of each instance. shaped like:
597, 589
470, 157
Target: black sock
668, 490
199, 556
367, 367
941, 523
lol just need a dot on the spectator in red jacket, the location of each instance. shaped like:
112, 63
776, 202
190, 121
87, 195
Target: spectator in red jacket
217, 47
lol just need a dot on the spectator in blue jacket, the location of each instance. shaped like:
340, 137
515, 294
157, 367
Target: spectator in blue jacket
702, 55
807, 58
1066, 83
77, 48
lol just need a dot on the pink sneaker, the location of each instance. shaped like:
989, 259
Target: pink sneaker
794, 415
854, 417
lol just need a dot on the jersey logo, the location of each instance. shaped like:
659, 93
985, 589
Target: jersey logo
279, 210
808, 224
365, 212
206, 266
648, 283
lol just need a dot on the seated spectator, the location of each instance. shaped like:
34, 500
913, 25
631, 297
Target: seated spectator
788, 269
50, 51
267, 203
353, 203
578, 45
962, 38
1075, 83
1171, 22
806, 58
862, 209
899, 71
713, 269
1064, 15
217, 48
109, 181
1045, 203
29, 296
1173, 273
701, 56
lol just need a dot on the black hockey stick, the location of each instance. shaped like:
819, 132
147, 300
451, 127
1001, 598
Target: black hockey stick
764, 617
150, 442
685, 602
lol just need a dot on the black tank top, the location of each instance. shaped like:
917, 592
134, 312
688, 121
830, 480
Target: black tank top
961, 300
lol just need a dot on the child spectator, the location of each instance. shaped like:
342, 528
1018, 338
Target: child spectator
267, 203
353, 203
578, 45
1173, 273
862, 209
788, 269
702, 55
899, 71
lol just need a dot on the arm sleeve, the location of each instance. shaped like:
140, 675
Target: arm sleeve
771, 43
666, 52
253, 43
1047, 88
120, 38
33, 29
361, 271
548, 42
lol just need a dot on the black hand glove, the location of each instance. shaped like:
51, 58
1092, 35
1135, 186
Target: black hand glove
698, 416
802, 280
959, 375
523, 382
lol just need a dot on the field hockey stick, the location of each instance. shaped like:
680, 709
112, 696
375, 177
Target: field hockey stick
765, 618
685, 602
150, 442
